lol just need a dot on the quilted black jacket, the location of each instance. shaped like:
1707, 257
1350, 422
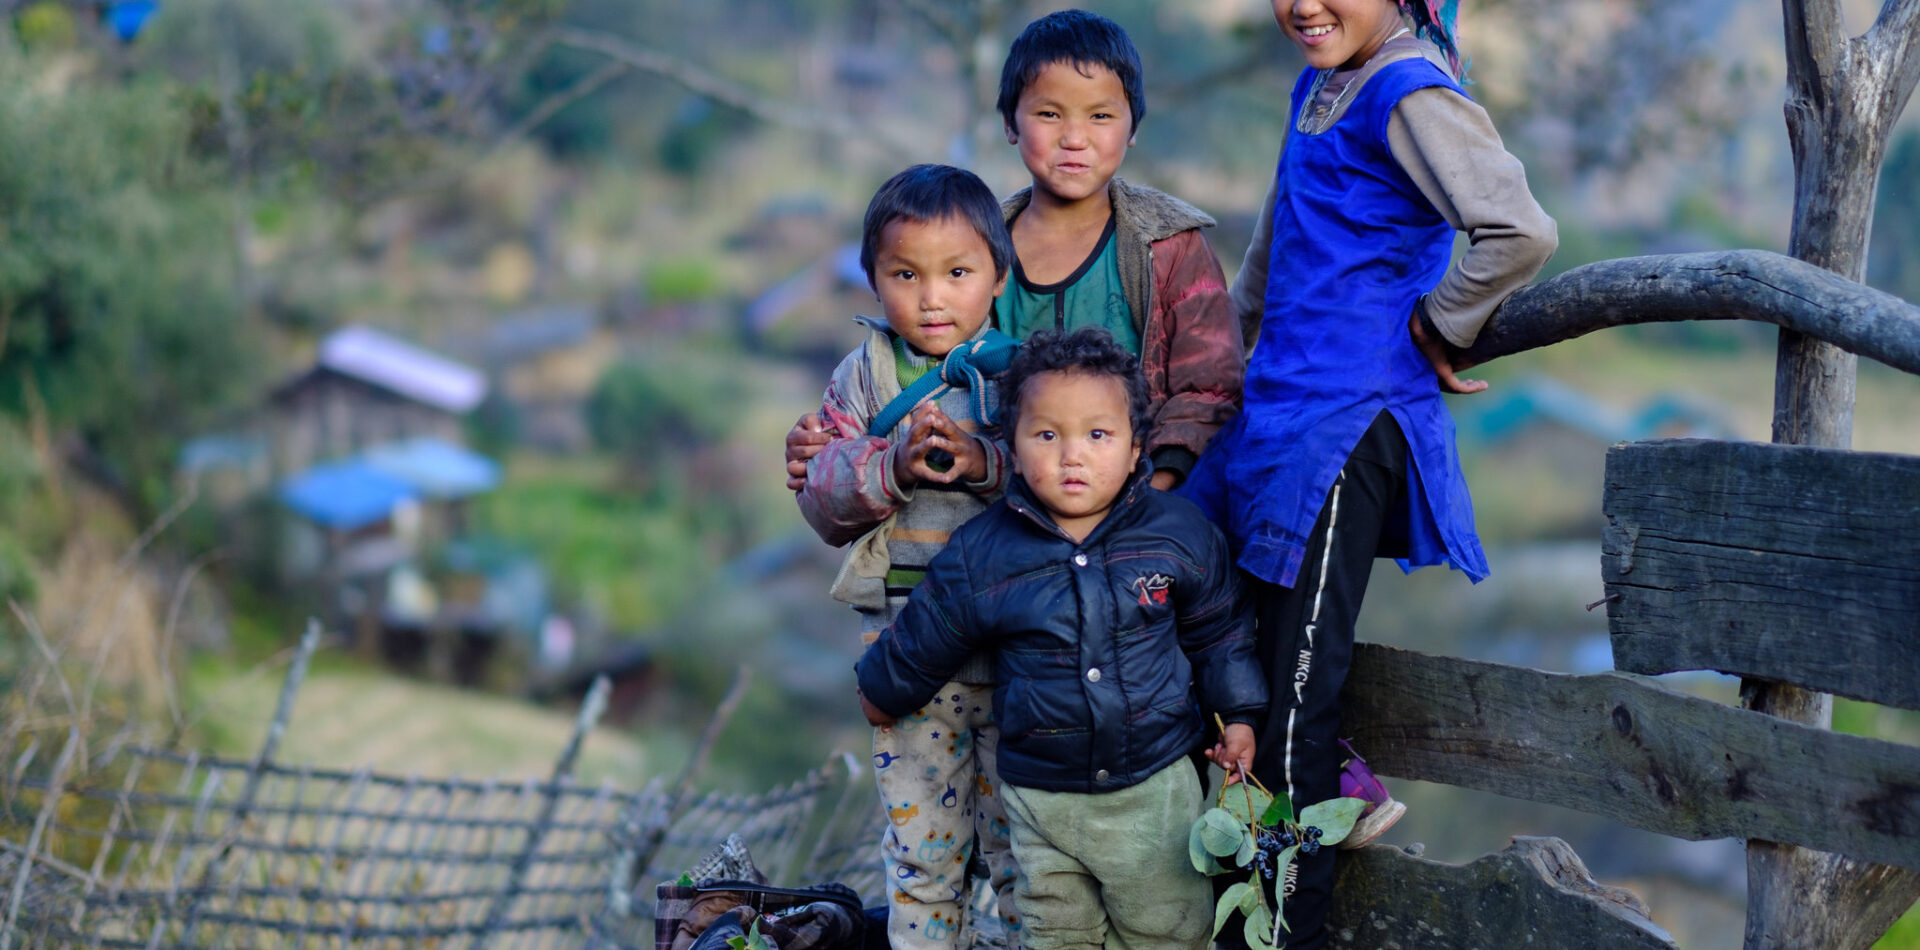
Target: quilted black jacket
1099, 645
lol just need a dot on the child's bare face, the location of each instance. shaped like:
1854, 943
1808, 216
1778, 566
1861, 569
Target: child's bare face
1072, 128
935, 280
1338, 34
1074, 445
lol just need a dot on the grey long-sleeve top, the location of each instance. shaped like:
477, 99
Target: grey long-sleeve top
1447, 144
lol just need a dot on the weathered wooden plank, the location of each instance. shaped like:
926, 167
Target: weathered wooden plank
1630, 749
1534, 894
1775, 562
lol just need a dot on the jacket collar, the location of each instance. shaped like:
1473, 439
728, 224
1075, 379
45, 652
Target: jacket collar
1020, 498
1147, 214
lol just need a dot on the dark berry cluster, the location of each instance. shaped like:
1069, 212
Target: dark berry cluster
1271, 841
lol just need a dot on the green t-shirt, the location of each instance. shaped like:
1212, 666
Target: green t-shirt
1091, 296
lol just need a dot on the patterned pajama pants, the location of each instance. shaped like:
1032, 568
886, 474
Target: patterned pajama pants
942, 792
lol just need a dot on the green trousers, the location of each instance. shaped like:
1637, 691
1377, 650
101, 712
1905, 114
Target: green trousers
1110, 870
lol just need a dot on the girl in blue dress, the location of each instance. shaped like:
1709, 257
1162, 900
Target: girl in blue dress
1345, 449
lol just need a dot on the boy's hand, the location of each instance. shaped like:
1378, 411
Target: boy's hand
1234, 751
875, 717
1162, 480
936, 449
803, 442
1435, 350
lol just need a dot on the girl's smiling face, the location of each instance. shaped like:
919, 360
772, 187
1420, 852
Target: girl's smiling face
1338, 34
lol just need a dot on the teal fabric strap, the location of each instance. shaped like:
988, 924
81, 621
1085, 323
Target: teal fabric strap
966, 367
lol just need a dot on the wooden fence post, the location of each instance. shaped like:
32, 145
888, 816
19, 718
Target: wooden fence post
1843, 95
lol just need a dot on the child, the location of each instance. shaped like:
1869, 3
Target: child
936, 253
1108, 606
1093, 250
1344, 450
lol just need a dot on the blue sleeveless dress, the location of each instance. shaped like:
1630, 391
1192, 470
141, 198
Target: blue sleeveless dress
1354, 245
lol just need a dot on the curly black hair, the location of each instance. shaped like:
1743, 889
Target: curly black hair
1089, 351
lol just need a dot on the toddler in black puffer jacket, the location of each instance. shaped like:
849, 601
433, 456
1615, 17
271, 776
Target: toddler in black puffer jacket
1108, 607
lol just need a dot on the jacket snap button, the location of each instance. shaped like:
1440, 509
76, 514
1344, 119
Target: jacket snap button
1093, 675
1100, 776
1080, 559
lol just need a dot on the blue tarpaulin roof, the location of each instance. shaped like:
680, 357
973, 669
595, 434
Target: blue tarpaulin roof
345, 495
435, 468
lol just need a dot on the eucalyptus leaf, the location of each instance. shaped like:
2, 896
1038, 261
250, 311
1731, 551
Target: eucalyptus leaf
1284, 860
1259, 930
1334, 817
1280, 811
1230, 902
1255, 897
1220, 833
1197, 853
1248, 848
1245, 802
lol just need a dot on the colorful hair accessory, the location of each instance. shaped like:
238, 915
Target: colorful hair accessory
1434, 22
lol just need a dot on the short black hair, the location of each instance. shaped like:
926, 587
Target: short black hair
1071, 36
929, 193
1089, 351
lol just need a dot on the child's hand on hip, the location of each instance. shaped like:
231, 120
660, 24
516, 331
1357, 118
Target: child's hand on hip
1435, 350
1234, 751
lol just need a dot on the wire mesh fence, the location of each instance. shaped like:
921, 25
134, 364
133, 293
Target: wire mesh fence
139, 847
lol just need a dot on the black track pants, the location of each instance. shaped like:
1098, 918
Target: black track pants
1305, 641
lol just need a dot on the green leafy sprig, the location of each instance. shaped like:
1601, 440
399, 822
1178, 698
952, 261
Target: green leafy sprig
1258, 831
753, 940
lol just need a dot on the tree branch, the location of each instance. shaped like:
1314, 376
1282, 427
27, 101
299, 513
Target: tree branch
1820, 22
754, 103
940, 17
1896, 54
1897, 20
1719, 285
582, 87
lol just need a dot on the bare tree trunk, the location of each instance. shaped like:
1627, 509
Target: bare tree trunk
1843, 96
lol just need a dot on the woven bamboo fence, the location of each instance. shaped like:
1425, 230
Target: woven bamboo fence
153, 849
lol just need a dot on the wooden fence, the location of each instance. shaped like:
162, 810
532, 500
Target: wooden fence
1773, 562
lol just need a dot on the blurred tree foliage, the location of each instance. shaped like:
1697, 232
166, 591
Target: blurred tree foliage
298, 93
652, 415
117, 321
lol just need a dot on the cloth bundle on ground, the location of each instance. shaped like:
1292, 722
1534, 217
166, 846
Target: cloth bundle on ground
729, 894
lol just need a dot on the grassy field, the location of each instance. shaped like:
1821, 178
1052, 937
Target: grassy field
346, 717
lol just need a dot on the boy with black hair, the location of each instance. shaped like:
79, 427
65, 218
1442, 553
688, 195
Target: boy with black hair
1109, 608
910, 456
1095, 250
